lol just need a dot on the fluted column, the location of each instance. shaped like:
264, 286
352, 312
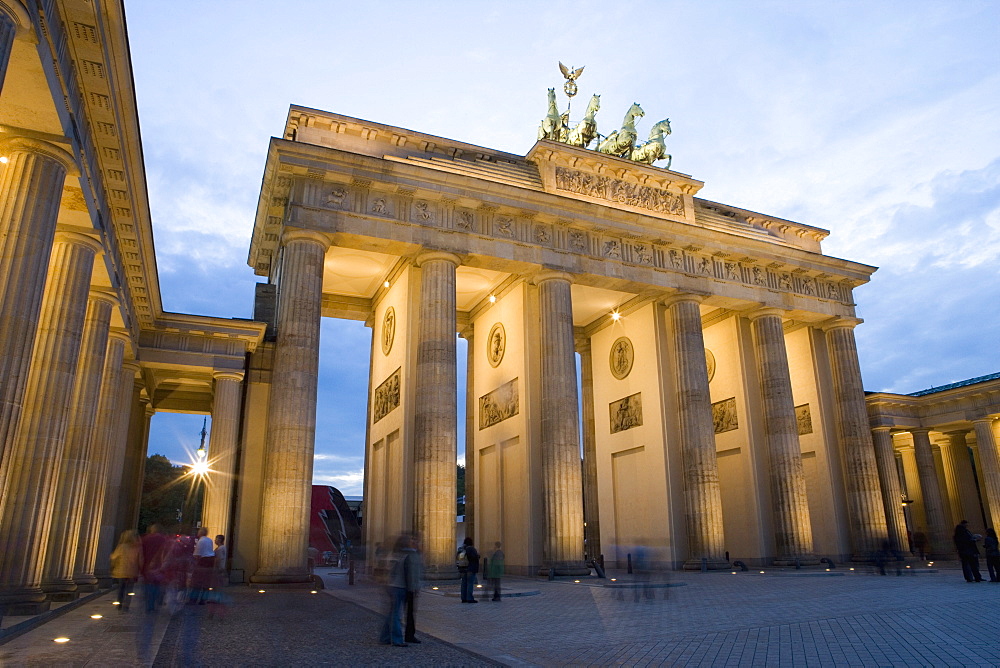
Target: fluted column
8, 30
793, 531
134, 469
892, 495
470, 432
31, 186
222, 452
30, 472
702, 494
989, 457
435, 417
74, 469
291, 429
866, 511
561, 474
962, 480
591, 504
93, 503
114, 469
937, 526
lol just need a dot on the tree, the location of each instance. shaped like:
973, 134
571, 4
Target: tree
460, 510
170, 495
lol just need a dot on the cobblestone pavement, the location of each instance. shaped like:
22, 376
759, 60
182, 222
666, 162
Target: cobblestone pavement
779, 618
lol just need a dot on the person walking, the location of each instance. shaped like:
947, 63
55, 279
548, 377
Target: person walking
392, 628
494, 570
968, 552
126, 562
413, 567
202, 575
992, 554
468, 566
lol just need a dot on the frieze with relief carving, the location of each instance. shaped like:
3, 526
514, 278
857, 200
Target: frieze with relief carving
803, 417
386, 397
724, 416
626, 413
498, 405
619, 192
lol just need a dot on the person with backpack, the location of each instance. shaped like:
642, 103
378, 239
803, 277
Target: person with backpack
467, 561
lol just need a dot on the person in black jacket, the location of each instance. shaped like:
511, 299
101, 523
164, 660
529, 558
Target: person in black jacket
470, 571
968, 552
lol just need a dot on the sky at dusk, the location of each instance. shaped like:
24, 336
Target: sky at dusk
877, 121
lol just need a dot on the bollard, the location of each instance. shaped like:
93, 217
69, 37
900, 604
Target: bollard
552, 572
798, 564
600, 560
704, 565
350, 570
629, 557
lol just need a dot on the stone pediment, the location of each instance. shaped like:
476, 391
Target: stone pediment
589, 176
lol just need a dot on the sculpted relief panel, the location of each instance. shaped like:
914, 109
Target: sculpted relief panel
619, 192
724, 415
498, 405
386, 397
626, 413
804, 419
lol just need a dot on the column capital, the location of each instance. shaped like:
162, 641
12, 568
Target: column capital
133, 366
49, 150
882, 429
678, 297
430, 256
102, 295
68, 236
227, 374
988, 419
764, 312
841, 323
919, 430
551, 275
305, 235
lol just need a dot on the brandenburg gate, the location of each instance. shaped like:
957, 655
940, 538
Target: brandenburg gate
722, 409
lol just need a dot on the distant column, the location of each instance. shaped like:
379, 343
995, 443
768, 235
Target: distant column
990, 459
962, 479
8, 32
114, 469
93, 501
291, 429
937, 526
702, 494
591, 505
222, 452
561, 476
470, 432
793, 531
435, 417
865, 507
74, 469
31, 185
892, 495
134, 468
31, 469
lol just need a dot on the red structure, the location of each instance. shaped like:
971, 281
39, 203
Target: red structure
333, 526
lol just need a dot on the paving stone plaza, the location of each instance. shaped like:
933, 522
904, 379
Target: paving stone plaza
779, 618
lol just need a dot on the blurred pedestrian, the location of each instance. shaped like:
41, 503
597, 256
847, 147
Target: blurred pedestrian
126, 563
920, 544
468, 566
392, 628
413, 567
968, 552
203, 570
494, 570
992, 554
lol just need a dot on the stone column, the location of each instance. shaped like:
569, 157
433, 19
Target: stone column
962, 480
111, 486
64, 535
93, 500
865, 507
222, 452
291, 429
591, 505
892, 495
470, 433
561, 474
140, 413
938, 534
990, 459
31, 186
30, 472
435, 415
793, 531
702, 494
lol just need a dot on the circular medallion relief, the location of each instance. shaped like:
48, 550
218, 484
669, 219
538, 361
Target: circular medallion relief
710, 363
496, 344
621, 358
388, 330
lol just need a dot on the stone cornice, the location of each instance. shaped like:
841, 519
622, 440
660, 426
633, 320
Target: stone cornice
947, 408
304, 184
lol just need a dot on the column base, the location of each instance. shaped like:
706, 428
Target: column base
88, 588
441, 573
85, 580
60, 587
571, 568
24, 602
710, 564
289, 579
801, 560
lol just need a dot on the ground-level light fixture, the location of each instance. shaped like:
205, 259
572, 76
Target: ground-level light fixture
60, 639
